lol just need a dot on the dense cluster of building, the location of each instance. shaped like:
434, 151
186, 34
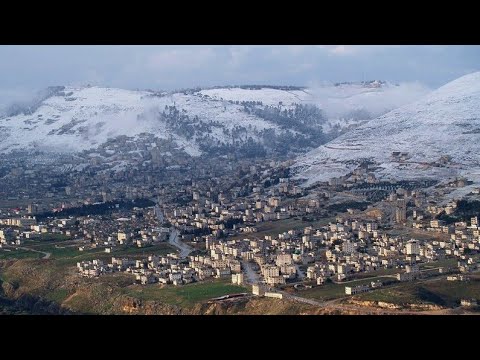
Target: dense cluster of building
222, 215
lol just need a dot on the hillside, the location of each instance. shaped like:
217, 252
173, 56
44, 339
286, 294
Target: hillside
434, 137
246, 120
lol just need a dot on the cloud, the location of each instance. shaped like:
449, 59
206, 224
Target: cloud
15, 95
340, 101
169, 67
343, 50
181, 59
238, 55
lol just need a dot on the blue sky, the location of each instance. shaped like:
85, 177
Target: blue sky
26, 69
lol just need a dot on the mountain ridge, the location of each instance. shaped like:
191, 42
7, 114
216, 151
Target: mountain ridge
444, 123
275, 119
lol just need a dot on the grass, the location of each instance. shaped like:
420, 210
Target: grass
276, 227
83, 255
379, 272
68, 253
439, 292
99, 295
158, 249
52, 237
58, 295
58, 252
330, 291
418, 234
449, 263
3, 278
186, 295
19, 254
324, 292
50, 278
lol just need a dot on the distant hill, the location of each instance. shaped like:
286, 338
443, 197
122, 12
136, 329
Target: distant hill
247, 119
434, 137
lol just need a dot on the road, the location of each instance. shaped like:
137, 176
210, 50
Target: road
175, 241
322, 304
338, 304
252, 276
46, 255
362, 279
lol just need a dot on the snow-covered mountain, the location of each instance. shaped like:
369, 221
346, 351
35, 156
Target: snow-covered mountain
345, 104
71, 119
434, 137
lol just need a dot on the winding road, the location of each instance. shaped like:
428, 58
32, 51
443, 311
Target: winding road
46, 255
174, 239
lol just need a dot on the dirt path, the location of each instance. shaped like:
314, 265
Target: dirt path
46, 254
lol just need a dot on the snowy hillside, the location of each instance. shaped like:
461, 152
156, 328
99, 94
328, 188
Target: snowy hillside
280, 119
337, 100
82, 118
434, 137
267, 96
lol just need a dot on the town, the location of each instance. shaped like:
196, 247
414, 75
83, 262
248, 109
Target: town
257, 228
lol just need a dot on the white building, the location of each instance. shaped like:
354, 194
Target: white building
237, 279
413, 247
348, 247
352, 290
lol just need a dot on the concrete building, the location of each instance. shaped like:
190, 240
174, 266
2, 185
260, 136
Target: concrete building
474, 221
413, 247
237, 279
270, 271
284, 259
407, 276
401, 211
274, 295
352, 290
348, 247
258, 290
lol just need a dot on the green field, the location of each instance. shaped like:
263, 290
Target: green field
376, 273
132, 252
45, 237
158, 249
58, 251
19, 254
331, 291
67, 253
82, 256
186, 295
449, 263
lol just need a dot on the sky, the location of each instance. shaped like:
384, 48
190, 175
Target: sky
25, 69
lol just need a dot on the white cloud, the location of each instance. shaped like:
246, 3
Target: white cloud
175, 66
339, 101
181, 59
343, 50
238, 55
18, 95
297, 49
